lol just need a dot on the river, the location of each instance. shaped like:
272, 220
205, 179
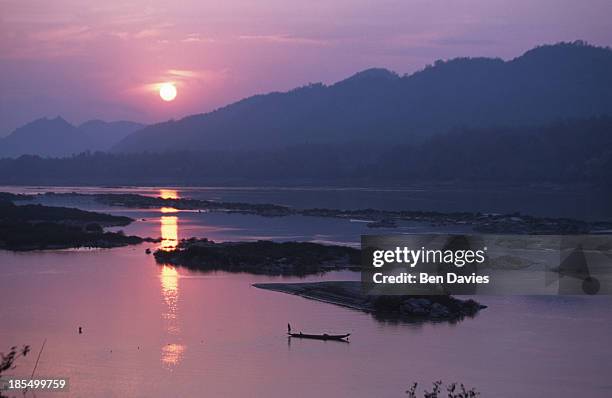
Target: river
160, 331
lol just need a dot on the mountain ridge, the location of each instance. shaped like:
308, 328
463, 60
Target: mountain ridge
546, 83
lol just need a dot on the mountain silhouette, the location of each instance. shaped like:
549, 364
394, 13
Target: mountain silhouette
56, 137
551, 82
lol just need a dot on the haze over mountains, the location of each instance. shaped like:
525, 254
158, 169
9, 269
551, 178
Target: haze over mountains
548, 83
571, 152
57, 138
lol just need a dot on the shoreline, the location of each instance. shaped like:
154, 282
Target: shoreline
512, 223
297, 290
37, 227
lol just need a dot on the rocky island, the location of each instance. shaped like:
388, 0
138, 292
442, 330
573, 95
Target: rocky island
260, 257
385, 308
304, 258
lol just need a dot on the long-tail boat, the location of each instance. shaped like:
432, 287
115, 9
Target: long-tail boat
324, 336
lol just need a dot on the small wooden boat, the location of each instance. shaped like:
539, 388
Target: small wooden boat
323, 336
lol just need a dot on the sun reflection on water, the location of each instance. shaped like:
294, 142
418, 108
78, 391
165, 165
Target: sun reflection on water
169, 224
169, 284
168, 194
169, 232
172, 353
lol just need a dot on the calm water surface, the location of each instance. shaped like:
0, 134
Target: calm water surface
159, 331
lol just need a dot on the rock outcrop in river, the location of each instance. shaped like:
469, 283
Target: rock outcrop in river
385, 308
260, 257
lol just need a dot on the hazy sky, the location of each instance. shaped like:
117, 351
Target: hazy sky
87, 59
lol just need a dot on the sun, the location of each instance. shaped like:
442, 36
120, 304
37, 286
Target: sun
167, 91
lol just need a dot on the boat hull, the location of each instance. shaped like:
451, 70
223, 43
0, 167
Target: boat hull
320, 336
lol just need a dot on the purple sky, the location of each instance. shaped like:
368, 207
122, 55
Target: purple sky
87, 59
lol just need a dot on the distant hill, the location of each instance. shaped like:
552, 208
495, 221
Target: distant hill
576, 151
56, 137
566, 80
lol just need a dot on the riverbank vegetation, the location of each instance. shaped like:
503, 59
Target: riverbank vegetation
452, 390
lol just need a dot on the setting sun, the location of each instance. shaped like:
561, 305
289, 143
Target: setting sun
167, 91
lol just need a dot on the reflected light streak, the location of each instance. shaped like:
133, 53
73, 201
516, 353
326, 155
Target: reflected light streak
169, 287
172, 354
168, 194
169, 232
